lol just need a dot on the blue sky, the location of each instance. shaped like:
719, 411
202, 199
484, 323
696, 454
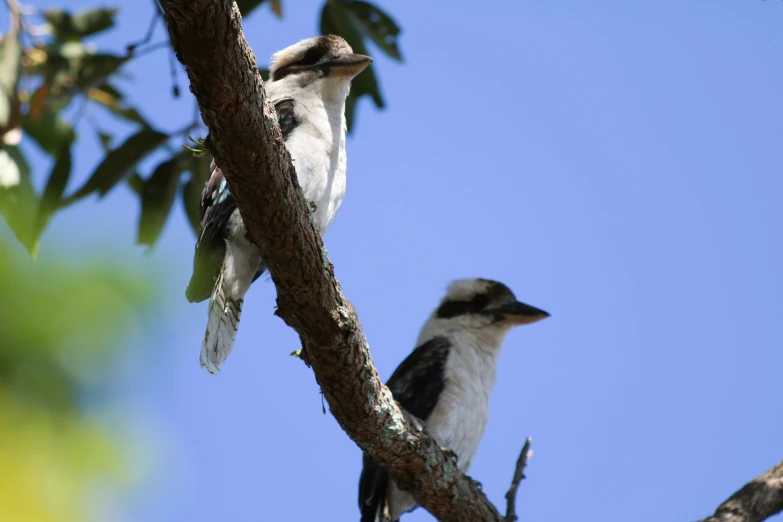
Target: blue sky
617, 164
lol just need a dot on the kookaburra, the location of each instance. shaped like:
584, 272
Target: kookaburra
446, 382
308, 85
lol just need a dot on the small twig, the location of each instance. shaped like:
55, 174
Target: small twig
80, 112
19, 25
173, 71
16, 16
150, 31
27, 10
172, 59
148, 49
511, 495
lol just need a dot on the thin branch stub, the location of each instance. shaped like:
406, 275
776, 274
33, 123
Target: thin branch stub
519, 475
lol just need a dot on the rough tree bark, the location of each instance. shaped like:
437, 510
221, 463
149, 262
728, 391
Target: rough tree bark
246, 142
758, 500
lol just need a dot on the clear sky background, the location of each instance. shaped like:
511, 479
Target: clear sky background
617, 164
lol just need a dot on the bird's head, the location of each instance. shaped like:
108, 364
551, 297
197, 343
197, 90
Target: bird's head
325, 62
487, 307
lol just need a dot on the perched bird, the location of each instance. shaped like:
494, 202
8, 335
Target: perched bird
446, 382
309, 82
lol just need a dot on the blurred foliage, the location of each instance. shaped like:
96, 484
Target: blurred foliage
51, 70
61, 328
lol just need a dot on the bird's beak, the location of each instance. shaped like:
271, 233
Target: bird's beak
520, 313
349, 65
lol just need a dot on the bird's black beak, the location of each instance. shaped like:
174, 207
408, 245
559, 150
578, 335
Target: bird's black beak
349, 65
519, 313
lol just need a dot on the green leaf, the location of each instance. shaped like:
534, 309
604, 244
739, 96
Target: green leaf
136, 183
51, 200
112, 99
10, 66
111, 91
60, 21
70, 51
94, 21
378, 25
37, 102
105, 140
335, 19
63, 60
201, 169
58, 179
264, 74
120, 161
96, 68
18, 202
70, 67
191, 200
157, 197
191, 191
246, 6
66, 26
49, 131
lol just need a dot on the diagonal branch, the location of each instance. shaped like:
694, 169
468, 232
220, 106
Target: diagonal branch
758, 500
246, 142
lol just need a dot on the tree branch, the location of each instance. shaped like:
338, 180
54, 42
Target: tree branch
511, 495
758, 500
246, 142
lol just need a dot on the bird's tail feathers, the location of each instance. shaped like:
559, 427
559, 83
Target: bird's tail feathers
222, 327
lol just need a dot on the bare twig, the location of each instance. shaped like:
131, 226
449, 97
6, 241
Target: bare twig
131, 47
81, 111
9, 87
757, 500
519, 474
173, 72
16, 15
19, 25
148, 49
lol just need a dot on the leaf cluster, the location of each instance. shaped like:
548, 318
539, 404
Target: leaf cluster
51, 75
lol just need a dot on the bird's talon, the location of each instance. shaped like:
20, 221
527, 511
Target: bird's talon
450, 453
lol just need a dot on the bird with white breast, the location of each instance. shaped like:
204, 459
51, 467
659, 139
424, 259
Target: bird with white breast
308, 85
447, 380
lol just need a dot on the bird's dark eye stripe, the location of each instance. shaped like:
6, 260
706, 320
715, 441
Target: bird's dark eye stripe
454, 308
498, 290
310, 58
285, 71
